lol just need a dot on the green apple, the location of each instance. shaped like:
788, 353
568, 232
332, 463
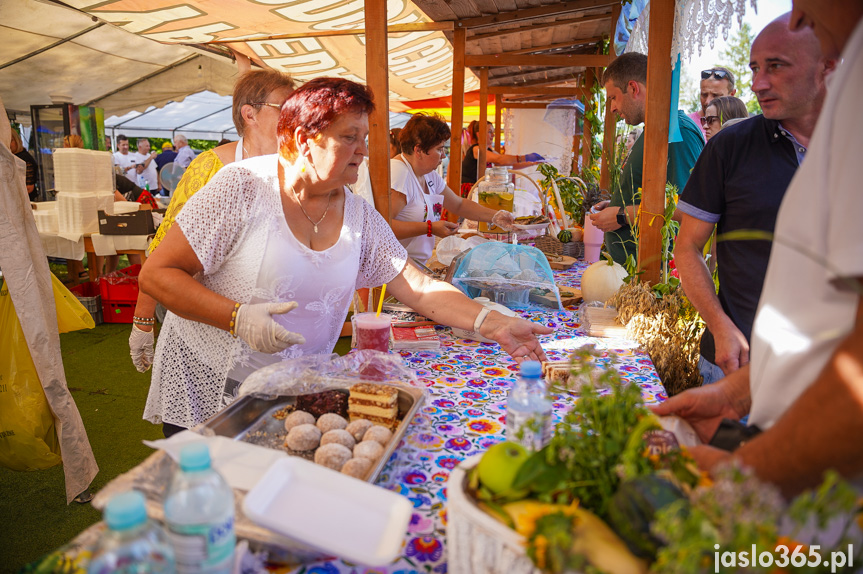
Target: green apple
499, 465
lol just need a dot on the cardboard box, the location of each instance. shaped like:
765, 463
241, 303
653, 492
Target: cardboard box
136, 223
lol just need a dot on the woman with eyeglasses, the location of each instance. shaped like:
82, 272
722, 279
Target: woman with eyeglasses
419, 195
716, 82
258, 97
720, 111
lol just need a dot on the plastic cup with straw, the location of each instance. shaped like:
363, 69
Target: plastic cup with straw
373, 328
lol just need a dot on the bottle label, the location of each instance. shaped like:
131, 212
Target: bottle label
201, 548
532, 430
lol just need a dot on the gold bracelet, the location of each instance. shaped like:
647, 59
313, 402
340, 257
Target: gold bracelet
233, 322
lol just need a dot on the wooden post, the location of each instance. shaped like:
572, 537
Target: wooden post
609, 143
454, 170
379, 121
655, 140
482, 135
590, 78
498, 126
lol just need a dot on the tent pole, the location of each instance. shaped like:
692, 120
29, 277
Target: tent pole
655, 139
457, 118
379, 121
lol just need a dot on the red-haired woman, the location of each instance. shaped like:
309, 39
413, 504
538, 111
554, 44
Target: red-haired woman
419, 195
280, 233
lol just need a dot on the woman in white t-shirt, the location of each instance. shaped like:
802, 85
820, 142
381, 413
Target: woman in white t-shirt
277, 234
419, 195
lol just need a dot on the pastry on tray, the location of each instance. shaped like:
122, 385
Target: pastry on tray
325, 402
373, 402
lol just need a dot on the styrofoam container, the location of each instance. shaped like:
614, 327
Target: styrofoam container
125, 207
330, 511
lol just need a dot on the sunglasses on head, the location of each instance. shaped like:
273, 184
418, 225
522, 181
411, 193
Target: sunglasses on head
718, 74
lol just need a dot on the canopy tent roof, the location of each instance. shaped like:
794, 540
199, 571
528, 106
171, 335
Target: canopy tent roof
204, 115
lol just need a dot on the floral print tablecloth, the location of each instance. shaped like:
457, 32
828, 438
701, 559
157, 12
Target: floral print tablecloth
464, 414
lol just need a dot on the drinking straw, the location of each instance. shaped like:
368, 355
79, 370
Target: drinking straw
381, 302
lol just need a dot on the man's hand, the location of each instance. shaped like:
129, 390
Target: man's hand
444, 228
707, 457
255, 326
516, 336
141, 348
732, 349
606, 220
705, 407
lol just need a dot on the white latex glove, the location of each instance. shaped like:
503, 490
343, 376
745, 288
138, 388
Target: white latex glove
141, 348
255, 326
503, 219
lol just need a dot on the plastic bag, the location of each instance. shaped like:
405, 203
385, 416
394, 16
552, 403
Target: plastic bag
71, 314
504, 273
28, 438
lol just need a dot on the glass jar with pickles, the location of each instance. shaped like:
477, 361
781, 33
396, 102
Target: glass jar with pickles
496, 192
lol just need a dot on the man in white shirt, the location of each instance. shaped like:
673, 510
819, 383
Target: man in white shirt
185, 154
804, 385
146, 164
124, 160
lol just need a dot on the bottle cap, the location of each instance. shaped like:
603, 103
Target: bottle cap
125, 510
531, 369
195, 456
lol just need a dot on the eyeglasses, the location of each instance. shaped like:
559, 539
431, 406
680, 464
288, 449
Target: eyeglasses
718, 74
276, 106
708, 120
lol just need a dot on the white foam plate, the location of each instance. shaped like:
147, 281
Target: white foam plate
532, 226
330, 511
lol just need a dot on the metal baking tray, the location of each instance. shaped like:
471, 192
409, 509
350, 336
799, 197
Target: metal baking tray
251, 420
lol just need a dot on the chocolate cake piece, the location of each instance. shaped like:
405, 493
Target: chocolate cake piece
325, 402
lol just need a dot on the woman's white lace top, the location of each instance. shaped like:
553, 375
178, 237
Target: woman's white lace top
237, 229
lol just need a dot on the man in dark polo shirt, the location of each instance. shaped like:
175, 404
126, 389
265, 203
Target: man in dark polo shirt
738, 184
625, 82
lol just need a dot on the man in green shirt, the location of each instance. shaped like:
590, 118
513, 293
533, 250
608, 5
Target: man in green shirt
625, 82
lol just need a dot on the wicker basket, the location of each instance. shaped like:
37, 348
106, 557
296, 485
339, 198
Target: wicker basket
553, 245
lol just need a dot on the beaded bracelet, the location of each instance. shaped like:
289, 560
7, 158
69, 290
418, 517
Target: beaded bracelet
429, 232
233, 320
143, 320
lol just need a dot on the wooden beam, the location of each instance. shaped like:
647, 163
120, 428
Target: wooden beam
537, 106
530, 13
521, 99
567, 78
571, 60
655, 140
498, 100
379, 121
571, 43
394, 29
587, 134
454, 170
535, 90
482, 134
540, 26
609, 143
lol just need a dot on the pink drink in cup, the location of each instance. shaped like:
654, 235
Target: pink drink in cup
373, 332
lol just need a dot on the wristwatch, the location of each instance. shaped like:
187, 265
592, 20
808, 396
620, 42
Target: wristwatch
621, 216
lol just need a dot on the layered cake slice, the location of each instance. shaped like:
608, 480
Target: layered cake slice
375, 403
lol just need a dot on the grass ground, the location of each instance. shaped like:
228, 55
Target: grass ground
110, 395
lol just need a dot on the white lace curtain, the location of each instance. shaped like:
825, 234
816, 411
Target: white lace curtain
696, 23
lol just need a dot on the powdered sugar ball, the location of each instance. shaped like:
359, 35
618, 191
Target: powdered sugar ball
378, 434
303, 437
333, 455
298, 418
338, 436
331, 421
357, 467
358, 428
369, 449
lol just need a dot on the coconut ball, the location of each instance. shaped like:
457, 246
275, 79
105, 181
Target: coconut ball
338, 436
333, 455
298, 418
357, 467
378, 434
369, 449
358, 428
331, 421
303, 437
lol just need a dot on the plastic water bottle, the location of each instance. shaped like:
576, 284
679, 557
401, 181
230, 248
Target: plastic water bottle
528, 409
199, 514
142, 181
133, 544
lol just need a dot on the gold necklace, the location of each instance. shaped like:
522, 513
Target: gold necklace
315, 225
